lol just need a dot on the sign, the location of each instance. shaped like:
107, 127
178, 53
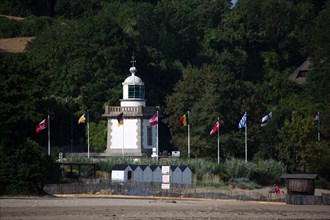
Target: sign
175, 153
166, 178
166, 170
165, 186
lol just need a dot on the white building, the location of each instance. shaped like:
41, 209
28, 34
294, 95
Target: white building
135, 137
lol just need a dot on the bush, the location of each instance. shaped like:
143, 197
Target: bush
237, 168
267, 171
23, 28
29, 169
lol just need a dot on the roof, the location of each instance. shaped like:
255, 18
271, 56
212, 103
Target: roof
299, 176
300, 74
153, 167
133, 80
182, 168
143, 167
119, 167
133, 167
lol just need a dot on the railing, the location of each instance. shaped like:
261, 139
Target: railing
113, 111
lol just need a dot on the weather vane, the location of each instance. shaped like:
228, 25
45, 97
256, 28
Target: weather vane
133, 59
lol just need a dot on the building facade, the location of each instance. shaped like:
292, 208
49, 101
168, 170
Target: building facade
134, 137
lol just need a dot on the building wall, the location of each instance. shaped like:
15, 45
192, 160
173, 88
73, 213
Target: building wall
129, 130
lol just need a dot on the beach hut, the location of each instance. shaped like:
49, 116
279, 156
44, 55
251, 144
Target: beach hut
176, 174
156, 173
186, 175
146, 173
137, 173
121, 173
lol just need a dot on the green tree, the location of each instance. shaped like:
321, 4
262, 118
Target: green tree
27, 170
296, 143
209, 93
98, 136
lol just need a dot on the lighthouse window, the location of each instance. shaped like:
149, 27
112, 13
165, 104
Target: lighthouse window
136, 91
149, 135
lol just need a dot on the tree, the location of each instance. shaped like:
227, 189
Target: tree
296, 147
209, 93
98, 136
27, 170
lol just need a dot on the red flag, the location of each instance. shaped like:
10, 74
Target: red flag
215, 127
153, 120
41, 126
184, 121
316, 117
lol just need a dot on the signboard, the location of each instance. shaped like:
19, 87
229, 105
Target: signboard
166, 178
166, 170
175, 153
165, 186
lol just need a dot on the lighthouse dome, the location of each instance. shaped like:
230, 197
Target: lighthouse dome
133, 80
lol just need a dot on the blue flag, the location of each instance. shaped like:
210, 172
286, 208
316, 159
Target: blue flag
266, 119
242, 122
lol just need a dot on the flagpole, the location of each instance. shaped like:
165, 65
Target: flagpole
48, 135
188, 134
218, 143
157, 137
88, 134
318, 127
246, 139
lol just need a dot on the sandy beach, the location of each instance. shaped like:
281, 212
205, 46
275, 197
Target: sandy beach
108, 207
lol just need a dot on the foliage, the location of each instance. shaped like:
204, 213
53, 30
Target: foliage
30, 172
23, 28
296, 147
267, 171
238, 168
244, 184
215, 93
98, 136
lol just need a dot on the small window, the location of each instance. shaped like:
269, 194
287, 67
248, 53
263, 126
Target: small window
149, 135
136, 91
302, 74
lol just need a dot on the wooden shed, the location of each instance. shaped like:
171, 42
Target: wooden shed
300, 184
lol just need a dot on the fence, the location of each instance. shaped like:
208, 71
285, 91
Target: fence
106, 187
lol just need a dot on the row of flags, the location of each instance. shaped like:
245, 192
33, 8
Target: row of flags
183, 121
84, 119
44, 124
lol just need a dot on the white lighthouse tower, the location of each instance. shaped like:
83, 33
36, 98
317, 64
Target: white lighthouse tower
134, 137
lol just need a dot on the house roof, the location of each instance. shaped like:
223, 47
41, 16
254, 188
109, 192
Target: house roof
143, 167
182, 168
153, 167
119, 167
300, 74
133, 167
299, 176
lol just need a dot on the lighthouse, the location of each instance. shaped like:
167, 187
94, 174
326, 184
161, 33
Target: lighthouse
133, 137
